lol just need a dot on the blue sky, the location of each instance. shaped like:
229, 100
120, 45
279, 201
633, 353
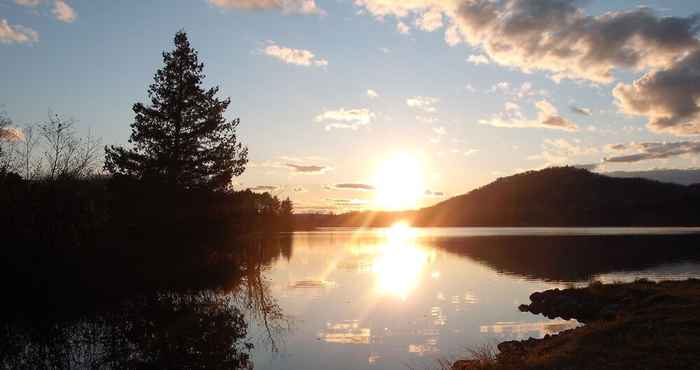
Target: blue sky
445, 104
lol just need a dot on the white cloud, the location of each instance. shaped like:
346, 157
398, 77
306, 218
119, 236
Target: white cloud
452, 35
16, 34
424, 119
286, 6
403, 28
547, 117
64, 12
470, 152
346, 118
430, 20
424, 103
524, 91
556, 35
478, 59
372, 94
30, 3
557, 152
300, 57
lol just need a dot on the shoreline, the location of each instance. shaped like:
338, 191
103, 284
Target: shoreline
638, 325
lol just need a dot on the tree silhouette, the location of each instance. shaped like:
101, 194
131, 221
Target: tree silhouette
182, 138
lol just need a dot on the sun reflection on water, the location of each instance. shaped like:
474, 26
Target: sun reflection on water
399, 262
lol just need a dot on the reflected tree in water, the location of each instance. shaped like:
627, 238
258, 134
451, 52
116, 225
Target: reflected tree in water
199, 329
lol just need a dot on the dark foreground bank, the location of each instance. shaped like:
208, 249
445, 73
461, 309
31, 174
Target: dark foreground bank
640, 325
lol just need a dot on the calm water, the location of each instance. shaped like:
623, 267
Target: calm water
345, 299
387, 298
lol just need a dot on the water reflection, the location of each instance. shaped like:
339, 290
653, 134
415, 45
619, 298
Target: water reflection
399, 262
368, 300
383, 298
516, 330
213, 328
571, 258
346, 332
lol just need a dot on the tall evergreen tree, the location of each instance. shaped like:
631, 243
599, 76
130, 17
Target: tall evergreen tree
182, 138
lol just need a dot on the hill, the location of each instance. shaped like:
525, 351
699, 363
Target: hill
567, 196
558, 196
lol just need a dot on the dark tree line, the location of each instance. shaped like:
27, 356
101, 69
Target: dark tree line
160, 212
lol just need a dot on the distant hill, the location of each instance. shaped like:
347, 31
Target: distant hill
568, 196
677, 176
559, 196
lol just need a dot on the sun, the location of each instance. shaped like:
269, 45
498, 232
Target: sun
399, 183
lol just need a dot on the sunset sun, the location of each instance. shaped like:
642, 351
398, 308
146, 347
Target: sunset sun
399, 182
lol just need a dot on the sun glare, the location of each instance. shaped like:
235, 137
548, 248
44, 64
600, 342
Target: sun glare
399, 262
399, 183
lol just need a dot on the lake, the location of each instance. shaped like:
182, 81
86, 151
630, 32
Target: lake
394, 298
400, 297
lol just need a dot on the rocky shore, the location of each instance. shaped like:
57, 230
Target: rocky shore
639, 325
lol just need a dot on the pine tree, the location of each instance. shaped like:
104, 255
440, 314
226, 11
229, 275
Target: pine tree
182, 138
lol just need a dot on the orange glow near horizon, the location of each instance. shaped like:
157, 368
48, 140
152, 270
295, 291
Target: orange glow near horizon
400, 183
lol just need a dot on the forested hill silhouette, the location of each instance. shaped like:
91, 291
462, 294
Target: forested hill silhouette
557, 196
568, 196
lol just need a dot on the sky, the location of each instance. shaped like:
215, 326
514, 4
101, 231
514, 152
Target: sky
331, 93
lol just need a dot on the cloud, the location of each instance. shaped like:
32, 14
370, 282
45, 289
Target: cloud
557, 152
524, 91
669, 98
16, 34
470, 152
547, 117
351, 186
430, 20
434, 194
348, 203
11, 134
308, 169
300, 57
478, 59
265, 188
403, 28
452, 35
556, 35
346, 118
372, 94
63, 12
30, 3
424, 119
286, 6
299, 189
581, 110
653, 150
424, 103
